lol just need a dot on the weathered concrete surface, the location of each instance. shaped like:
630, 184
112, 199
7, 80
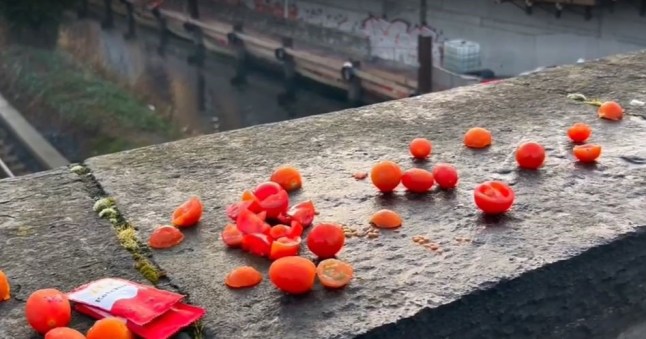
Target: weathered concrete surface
566, 263
51, 238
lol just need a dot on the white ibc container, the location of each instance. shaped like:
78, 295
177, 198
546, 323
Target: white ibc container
461, 56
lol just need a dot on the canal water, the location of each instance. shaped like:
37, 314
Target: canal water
198, 100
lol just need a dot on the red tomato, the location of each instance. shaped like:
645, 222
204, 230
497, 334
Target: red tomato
326, 240
418, 180
279, 231
249, 223
446, 176
275, 204
587, 153
285, 247
233, 210
420, 148
303, 213
48, 309
254, 202
188, 213
165, 237
530, 155
296, 230
494, 197
266, 189
257, 244
293, 275
232, 236
579, 132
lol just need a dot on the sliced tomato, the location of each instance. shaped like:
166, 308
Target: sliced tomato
494, 197
279, 231
164, 237
285, 247
262, 215
249, 223
266, 189
275, 204
233, 210
232, 236
254, 202
334, 273
257, 244
188, 213
303, 213
296, 230
284, 219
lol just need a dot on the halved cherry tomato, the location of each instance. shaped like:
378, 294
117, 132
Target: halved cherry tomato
288, 177
446, 176
494, 197
386, 219
232, 236
233, 210
296, 230
418, 180
420, 148
279, 231
5, 287
243, 277
275, 204
579, 132
611, 110
266, 189
257, 244
334, 273
254, 202
326, 240
188, 213
587, 153
477, 137
285, 247
530, 155
293, 275
165, 237
249, 223
303, 213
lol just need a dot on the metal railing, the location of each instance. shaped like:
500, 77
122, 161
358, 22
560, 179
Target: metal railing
5, 170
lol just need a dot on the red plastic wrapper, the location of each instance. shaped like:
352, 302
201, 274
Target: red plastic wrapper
149, 312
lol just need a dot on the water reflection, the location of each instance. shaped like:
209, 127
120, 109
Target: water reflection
199, 99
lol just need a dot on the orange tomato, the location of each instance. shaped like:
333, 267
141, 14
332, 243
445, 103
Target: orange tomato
493, 197
446, 176
285, 247
326, 240
587, 153
279, 231
294, 275
477, 137
109, 328
5, 288
386, 219
288, 177
64, 333
386, 176
333, 273
243, 277
579, 132
418, 180
165, 237
611, 110
232, 236
188, 213
47, 309
530, 155
420, 148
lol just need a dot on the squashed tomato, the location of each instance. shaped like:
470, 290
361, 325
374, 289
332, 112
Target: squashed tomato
257, 244
334, 273
188, 213
446, 176
165, 237
579, 132
285, 247
243, 277
587, 153
418, 180
294, 275
494, 197
232, 236
326, 240
48, 309
530, 155
249, 223
303, 213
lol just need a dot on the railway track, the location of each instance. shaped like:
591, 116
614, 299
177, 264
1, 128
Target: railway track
12, 157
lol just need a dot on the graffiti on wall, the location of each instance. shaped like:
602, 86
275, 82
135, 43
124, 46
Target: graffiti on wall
394, 40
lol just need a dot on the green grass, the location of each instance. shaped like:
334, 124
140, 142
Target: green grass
80, 96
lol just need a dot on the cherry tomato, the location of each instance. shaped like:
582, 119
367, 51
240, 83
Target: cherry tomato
5, 287
266, 189
275, 204
296, 230
418, 180
257, 244
112, 327
420, 148
446, 176
611, 110
47, 309
303, 213
334, 273
530, 155
232, 236
386, 176
294, 275
279, 231
579, 132
326, 240
477, 137
494, 197
254, 203
249, 223
165, 237
288, 177
285, 247
188, 213
386, 219
587, 153
64, 333
243, 277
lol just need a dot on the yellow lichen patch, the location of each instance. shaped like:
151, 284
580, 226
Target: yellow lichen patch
24, 231
147, 268
79, 169
102, 204
128, 238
